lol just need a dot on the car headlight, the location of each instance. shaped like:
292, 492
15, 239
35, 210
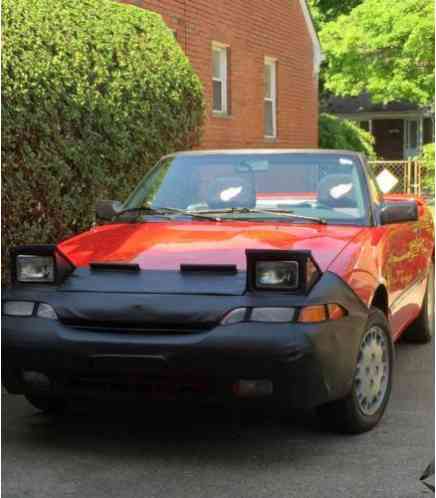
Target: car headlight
44, 310
277, 274
275, 315
262, 315
32, 268
306, 314
39, 264
284, 271
28, 308
18, 308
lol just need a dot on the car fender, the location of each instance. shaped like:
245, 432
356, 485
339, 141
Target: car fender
359, 264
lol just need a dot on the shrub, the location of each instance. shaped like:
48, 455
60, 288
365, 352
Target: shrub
428, 167
335, 133
93, 93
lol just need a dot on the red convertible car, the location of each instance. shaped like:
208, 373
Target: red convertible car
279, 275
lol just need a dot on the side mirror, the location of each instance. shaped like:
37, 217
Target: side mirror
106, 210
399, 212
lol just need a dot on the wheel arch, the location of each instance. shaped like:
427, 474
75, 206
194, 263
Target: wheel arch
380, 300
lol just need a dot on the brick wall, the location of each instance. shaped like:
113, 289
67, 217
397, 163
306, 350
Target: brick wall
253, 30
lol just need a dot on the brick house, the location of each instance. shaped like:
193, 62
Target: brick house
258, 61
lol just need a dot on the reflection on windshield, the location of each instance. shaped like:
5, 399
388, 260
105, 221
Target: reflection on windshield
322, 186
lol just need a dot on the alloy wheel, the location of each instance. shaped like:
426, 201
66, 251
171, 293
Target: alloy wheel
371, 379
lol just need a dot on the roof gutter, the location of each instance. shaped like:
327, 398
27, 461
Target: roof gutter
318, 54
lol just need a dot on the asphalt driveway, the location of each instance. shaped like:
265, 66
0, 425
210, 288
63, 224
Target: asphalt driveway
211, 453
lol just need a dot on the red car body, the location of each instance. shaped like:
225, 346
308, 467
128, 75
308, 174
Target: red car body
391, 259
299, 307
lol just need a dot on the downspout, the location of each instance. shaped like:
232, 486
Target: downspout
186, 26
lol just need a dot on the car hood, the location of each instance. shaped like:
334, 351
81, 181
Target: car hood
164, 246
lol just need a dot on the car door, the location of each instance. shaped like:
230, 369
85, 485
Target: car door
405, 272
401, 266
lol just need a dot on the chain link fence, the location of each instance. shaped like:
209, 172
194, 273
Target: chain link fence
404, 176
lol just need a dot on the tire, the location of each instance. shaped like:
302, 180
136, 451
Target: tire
47, 404
422, 329
352, 414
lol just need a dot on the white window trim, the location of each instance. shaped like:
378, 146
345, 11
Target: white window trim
223, 80
407, 138
270, 61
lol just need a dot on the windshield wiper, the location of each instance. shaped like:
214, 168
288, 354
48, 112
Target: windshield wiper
187, 212
165, 211
204, 214
277, 212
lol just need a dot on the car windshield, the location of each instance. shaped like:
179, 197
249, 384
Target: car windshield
255, 186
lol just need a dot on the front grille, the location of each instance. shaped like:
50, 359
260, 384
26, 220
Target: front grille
137, 328
136, 384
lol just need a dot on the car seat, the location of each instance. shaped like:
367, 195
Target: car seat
232, 192
337, 191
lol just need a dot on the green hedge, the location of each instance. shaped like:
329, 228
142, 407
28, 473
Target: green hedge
93, 93
428, 160
335, 133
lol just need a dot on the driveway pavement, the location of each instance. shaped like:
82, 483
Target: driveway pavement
210, 453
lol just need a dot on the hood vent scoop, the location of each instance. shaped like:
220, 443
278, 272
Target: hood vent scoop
227, 269
121, 267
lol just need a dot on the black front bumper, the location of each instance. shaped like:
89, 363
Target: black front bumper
308, 364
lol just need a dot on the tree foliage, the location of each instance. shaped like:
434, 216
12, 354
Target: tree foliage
335, 133
93, 93
428, 161
382, 47
324, 11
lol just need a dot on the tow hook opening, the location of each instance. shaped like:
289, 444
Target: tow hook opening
253, 388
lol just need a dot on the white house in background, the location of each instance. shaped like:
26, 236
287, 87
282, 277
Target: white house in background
400, 128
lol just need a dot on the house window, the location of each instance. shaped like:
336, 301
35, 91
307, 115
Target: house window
270, 99
413, 134
412, 138
219, 78
428, 131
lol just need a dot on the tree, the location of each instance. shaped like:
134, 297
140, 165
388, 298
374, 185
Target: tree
382, 47
93, 93
335, 133
324, 11
427, 159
